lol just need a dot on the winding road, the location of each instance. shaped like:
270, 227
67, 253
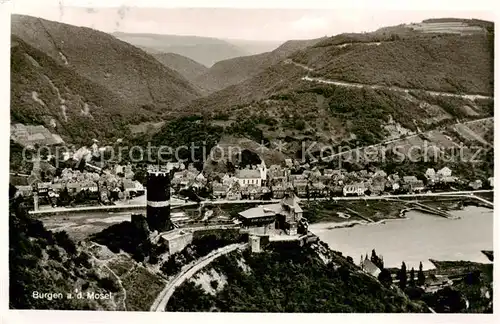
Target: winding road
374, 86
393, 88
187, 272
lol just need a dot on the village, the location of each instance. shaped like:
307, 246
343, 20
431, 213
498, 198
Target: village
82, 183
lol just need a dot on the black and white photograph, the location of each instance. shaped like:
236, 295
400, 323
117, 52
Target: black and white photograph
250, 160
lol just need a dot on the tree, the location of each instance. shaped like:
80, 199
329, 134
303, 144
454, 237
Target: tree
81, 165
64, 197
402, 276
448, 300
12, 191
141, 176
385, 277
420, 275
377, 260
412, 277
230, 167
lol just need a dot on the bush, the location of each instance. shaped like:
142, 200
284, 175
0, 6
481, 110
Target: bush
108, 284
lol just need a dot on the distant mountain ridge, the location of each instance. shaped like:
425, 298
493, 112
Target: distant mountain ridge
204, 50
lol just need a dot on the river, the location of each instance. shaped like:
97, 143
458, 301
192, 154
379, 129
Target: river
419, 237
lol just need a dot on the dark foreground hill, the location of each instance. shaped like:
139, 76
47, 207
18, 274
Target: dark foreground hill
128, 72
308, 279
43, 262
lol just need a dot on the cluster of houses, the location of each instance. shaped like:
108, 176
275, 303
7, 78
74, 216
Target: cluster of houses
103, 185
257, 181
253, 182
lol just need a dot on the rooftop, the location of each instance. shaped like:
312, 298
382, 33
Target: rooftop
293, 203
261, 211
370, 267
248, 174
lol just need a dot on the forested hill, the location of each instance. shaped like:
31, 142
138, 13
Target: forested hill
187, 67
45, 92
236, 70
90, 83
42, 262
310, 279
353, 87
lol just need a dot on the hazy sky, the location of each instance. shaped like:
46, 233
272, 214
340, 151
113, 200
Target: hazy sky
251, 24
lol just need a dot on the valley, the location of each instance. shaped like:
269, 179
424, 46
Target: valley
186, 173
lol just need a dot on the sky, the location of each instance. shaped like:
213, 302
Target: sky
266, 24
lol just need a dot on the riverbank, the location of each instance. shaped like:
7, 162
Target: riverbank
354, 210
418, 238
377, 210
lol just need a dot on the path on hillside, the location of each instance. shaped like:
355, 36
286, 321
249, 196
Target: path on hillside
187, 272
103, 264
374, 86
394, 88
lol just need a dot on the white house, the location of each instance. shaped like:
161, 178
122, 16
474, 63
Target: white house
95, 150
444, 172
91, 186
249, 177
354, 189
476, 184
119, 169
380, 173
491, 181
227, 180
200, 178
430, 174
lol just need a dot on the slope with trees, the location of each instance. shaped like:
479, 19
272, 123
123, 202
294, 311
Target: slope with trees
42, 262
291, 279
130, 73
236, 70
449, 63
185, 66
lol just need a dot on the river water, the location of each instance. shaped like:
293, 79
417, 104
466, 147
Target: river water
419, 237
